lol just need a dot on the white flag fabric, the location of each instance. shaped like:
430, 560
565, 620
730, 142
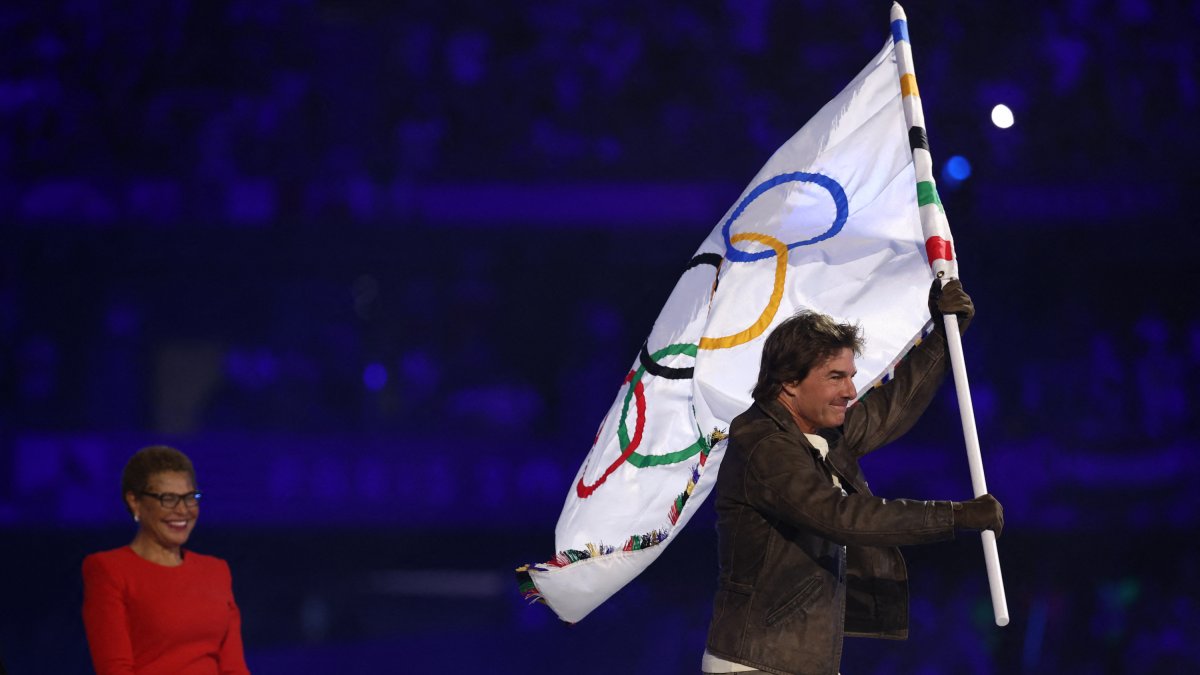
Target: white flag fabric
831, 223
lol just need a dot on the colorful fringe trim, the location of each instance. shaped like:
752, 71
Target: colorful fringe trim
636, 542
525, 584
677, 506
890, 371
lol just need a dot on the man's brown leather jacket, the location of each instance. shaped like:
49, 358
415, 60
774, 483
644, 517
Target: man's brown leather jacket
803, 564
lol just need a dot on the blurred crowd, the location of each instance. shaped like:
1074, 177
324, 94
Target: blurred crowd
260, 112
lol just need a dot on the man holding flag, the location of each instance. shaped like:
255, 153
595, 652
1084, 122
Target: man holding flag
806, 551
815, 281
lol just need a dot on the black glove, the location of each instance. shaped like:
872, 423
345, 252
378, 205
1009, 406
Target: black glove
951, 300
981, 513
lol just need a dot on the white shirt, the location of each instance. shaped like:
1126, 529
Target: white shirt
822, 447
716, 664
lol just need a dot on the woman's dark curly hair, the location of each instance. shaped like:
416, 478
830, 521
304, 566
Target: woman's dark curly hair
149, 461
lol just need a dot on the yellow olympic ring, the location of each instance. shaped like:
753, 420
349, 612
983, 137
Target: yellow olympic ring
768, 314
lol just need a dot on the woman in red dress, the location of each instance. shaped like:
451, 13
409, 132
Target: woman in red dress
152, 606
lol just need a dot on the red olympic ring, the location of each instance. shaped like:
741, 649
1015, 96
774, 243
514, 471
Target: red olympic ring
584, 490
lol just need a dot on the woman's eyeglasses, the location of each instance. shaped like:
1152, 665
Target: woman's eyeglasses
170, 500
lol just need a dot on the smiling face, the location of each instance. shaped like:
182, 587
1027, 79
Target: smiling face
819, 400
169, 528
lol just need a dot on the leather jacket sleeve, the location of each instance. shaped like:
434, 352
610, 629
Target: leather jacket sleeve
785, 482
888, 412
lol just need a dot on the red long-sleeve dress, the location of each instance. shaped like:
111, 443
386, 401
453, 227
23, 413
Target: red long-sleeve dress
146, 618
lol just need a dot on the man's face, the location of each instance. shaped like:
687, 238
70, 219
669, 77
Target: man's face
819, 400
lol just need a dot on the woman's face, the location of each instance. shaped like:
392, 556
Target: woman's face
169, 527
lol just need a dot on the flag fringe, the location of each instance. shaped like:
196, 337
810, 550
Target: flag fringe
890, 371
529, 590
636, 542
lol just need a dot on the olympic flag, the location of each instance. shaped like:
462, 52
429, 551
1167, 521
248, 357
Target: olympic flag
830, 223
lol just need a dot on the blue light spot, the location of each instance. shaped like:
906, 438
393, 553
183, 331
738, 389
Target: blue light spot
375, 376
958, 168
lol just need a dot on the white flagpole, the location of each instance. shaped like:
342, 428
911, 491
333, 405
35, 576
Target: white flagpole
991, 556
939, 246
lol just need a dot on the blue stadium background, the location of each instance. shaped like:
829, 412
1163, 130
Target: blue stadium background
379, 268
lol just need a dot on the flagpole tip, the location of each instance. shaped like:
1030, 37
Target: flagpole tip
898, 12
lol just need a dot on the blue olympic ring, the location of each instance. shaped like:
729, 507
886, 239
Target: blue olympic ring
832, 186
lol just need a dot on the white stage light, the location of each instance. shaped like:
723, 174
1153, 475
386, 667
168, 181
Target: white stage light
1002, 116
